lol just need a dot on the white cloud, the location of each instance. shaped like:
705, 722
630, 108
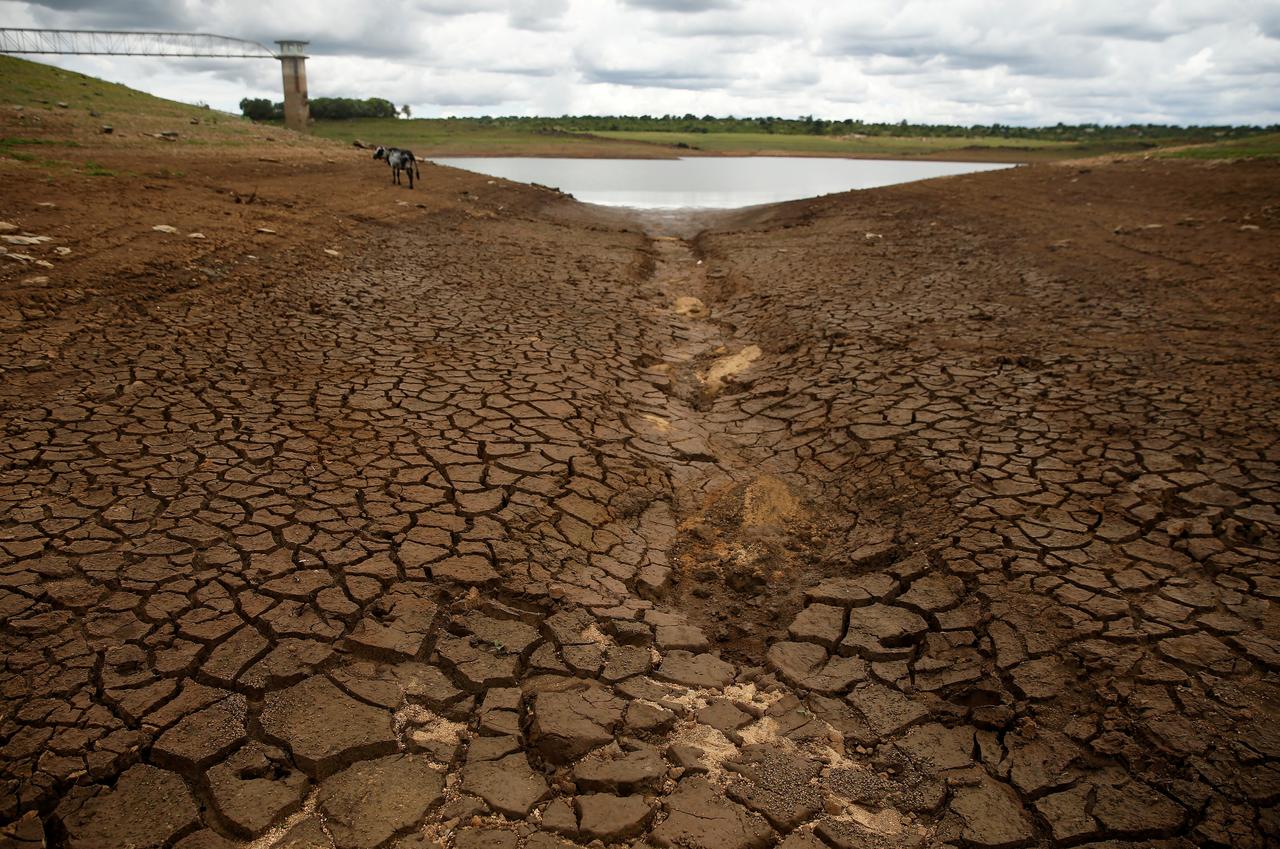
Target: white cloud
965, 61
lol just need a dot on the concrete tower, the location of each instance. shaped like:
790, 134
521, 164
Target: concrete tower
293, 64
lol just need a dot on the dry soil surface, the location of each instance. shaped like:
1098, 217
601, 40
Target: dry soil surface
942, 514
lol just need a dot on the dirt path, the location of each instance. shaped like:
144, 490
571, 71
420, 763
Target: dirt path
857, 522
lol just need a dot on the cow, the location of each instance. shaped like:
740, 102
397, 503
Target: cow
399, 160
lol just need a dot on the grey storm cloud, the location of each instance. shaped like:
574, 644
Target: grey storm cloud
537, 15
966, 61
682, 5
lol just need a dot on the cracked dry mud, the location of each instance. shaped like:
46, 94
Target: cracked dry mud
905, 518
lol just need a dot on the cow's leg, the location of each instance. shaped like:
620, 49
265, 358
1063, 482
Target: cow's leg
409, 171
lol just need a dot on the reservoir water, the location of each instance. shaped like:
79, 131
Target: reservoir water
720, 182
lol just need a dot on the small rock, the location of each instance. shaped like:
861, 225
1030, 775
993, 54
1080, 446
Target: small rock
107, 129
267, 230
195, 235
164, 228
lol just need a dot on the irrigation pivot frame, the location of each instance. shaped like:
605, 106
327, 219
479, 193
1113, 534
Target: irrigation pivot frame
122, 43
86, 42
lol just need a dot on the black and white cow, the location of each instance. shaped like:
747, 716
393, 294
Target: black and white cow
399, 160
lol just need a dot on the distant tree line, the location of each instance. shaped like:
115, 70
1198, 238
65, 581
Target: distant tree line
811, 125
324, 108
346, 108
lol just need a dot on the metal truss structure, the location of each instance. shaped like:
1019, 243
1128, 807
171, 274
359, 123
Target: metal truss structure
119, 43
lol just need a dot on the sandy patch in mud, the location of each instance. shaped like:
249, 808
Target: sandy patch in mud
729, 366
716, 747
690, 306
768, 502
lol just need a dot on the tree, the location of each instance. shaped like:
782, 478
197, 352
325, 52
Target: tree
345, 108
404, 110
261, 109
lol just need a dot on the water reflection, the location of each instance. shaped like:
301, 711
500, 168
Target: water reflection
709, 182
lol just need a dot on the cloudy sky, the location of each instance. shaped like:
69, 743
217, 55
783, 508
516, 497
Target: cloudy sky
952, 61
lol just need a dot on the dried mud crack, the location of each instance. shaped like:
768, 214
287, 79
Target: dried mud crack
858, 522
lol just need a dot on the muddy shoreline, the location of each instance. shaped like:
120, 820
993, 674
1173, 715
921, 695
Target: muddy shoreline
937, 514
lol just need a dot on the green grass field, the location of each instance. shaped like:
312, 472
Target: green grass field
1266, 145
35, 86
47, 111
438, 137
774, 143
455, 137
441, 137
